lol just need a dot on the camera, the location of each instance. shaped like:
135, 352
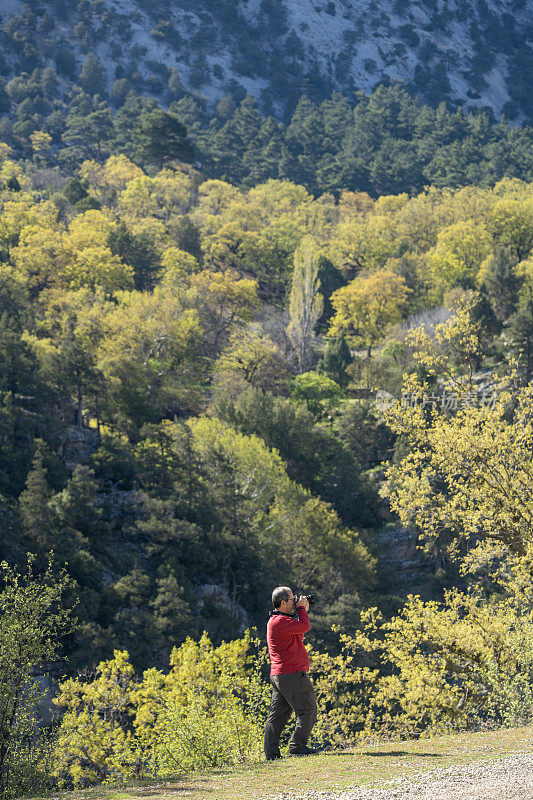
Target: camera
309, 597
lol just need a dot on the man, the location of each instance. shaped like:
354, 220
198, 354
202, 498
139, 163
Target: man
291, 688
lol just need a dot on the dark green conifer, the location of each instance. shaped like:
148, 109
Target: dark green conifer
160, 137
336, 358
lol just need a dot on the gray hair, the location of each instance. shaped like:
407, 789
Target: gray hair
280, 594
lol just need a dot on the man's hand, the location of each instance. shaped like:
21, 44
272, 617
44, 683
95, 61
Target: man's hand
303, 602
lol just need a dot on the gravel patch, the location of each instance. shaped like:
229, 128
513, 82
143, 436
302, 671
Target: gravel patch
509, 778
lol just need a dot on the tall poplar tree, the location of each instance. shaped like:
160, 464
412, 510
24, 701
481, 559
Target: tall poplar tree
305, 303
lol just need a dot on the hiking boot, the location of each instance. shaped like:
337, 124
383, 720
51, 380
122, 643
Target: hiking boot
303, 751
274, 757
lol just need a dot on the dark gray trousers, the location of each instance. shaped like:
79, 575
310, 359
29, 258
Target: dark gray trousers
292, 692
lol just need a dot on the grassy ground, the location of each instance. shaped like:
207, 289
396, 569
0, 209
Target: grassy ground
330, 770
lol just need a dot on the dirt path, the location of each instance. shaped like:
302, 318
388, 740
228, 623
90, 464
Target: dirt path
510, 778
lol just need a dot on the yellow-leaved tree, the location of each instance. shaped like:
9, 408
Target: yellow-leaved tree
88, 259
466, 485
366, 308
250, 359
150, 337
109, 179
460, 251
222, 300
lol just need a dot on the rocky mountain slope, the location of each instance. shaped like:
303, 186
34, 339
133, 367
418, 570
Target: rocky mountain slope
467, 52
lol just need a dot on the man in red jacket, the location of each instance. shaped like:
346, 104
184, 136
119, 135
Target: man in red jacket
291, 688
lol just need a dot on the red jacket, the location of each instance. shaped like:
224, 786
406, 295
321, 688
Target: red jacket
285, 642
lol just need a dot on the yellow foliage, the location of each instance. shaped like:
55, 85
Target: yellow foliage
22, 212
176, 265
253, 360
450, 665
173, 192
153, 228
524, 271
5, 151
420, 220
40, 256
512, 187
90, 229
12, 170
231, 246
352, 204
113, 176
207, 711
214, 196
48, 256
511, 224
365, 243
469, 474
93, 741
148, 326
80, 256
40, 140
222, 299
137, 199
344, 691
390, 203
93, 173
97, 266
461, 249
305, 301
466, 485
451, 349
279, 197
368, 306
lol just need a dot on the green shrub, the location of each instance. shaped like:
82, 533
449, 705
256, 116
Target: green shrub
208, 711
31, 624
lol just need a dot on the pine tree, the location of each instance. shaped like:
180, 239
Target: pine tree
263, 160
172, 615
126, 120
88, 130
139, 252
39, 523
305, 140
92, 76
502, 282
175, 86
235, 138
160, 137
336, 358
521, 336
77, 506
337, 117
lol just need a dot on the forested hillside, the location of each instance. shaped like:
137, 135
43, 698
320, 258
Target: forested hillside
82, 82
180, 362
386, 142
470, 54
189, 415
243, 346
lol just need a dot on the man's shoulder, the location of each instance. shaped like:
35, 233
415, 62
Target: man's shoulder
288, 621
277, 618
